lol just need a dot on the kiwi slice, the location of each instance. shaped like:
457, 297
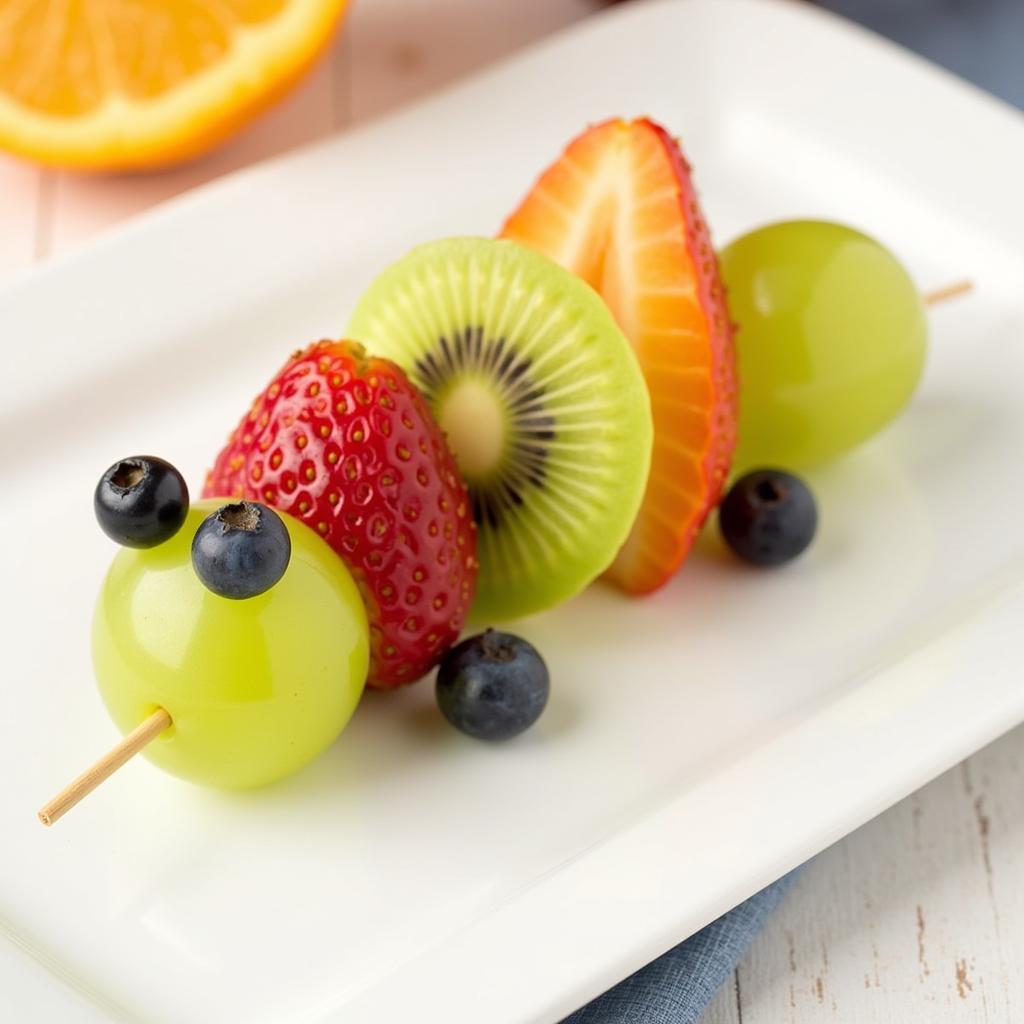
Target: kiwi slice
541, 398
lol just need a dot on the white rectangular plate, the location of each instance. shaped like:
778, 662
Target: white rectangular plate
698, 744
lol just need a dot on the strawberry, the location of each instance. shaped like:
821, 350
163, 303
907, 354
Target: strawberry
344, 442
618, 208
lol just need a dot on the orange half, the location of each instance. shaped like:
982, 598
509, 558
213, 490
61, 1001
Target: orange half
105, 85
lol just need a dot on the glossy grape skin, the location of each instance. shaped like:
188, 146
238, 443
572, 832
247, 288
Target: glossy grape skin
255, 688
831, 341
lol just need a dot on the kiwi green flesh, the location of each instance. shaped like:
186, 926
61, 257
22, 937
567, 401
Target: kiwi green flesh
543, 402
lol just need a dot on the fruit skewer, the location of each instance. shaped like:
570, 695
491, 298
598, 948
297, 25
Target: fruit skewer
142, 503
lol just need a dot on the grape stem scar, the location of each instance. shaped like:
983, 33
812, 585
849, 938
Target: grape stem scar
146, 731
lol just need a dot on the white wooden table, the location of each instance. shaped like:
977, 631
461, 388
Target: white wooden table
917, 916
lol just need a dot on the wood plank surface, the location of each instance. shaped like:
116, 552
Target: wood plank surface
917, 916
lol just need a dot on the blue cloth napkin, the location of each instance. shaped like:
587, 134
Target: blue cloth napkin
676, 988
980, 40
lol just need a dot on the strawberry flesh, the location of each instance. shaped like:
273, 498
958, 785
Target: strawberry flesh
618, 208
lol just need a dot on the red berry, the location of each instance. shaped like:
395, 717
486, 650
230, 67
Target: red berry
344, 442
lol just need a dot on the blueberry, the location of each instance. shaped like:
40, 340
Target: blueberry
492, 686
241, 550
768, 517
141, 502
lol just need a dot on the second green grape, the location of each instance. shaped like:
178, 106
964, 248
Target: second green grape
831, 341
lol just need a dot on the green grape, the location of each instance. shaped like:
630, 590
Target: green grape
255, 688
831, 340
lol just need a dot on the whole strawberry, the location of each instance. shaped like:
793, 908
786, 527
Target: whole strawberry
344, 442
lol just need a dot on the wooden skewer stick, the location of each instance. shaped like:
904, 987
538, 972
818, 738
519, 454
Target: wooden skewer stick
160, 720
949, 291
145, 732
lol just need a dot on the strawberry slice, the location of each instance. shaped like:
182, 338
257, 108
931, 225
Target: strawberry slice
618, 208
